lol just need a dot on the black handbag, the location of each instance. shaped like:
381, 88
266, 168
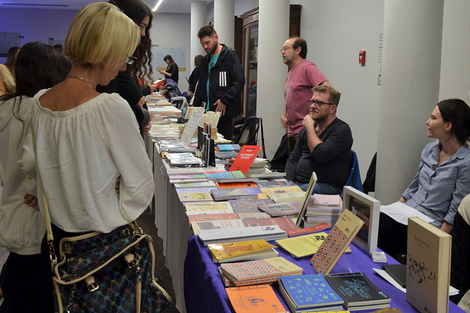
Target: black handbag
113, 272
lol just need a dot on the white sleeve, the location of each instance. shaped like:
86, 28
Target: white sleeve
121, 132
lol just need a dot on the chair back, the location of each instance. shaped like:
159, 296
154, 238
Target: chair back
354, 179
249, 133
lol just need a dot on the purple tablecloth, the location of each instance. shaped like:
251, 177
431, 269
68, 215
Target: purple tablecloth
204, 291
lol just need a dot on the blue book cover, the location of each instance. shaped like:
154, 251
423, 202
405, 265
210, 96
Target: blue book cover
308, 291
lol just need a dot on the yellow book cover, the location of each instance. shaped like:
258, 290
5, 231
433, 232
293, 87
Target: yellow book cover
337, 241
428, 267
302, 246
258, 298
241, 250
194, 196
283, 189
208, 206
287, 197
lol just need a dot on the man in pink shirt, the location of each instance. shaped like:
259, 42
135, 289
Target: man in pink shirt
302, 77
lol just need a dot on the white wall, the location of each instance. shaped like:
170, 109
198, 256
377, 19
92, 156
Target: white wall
336, 31
455, 62
173, 30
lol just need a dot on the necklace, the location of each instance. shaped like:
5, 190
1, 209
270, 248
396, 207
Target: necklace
82, 79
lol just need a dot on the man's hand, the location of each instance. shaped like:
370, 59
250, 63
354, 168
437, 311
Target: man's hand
118, 184
308, 121
31, 201
284, 119
220, 107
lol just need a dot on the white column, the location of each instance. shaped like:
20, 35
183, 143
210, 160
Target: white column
198, 19
409, 92
273, 31
224, 21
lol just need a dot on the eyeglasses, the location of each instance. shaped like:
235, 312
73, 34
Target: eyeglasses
318, 103
284, 49
131, 59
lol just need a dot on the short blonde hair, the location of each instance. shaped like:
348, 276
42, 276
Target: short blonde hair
101, 34
335, 95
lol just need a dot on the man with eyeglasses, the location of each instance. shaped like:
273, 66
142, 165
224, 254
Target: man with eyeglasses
323, 145
302, 77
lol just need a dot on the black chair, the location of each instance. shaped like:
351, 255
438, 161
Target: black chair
248, 135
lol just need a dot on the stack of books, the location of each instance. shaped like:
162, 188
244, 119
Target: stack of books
281, 209
268, 233
185, 159
358, 292
304, 293
242, 251
262, 271
324, 209
236, 193
284, 194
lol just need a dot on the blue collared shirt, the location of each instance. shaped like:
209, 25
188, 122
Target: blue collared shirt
438, 191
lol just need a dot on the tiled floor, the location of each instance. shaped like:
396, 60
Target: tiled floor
146, 222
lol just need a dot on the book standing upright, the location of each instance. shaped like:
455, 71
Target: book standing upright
428, 267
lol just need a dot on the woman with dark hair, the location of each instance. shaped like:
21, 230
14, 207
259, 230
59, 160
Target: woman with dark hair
11, 59
172, 69
22, 227
443, 176
126, 84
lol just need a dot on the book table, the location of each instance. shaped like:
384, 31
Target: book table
205, 292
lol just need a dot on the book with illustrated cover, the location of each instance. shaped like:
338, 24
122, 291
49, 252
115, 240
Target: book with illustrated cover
228, 147
217, 224
259, 272
212, 217
357, 291
245, 158
224, 176
242, 251
249, 205
267, 233
337, 241
255, 299
319, 200
285, 223
194, 196
282, 189
268, 183
427, 267
186, 178
281, 209
235, 193
309, 293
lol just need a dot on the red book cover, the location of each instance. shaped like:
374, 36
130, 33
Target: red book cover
245, 158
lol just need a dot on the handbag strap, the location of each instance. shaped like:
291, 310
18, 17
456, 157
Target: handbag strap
49, 234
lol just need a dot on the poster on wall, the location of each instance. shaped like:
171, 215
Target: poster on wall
178, 54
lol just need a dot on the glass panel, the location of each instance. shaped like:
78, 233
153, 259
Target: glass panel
252, 70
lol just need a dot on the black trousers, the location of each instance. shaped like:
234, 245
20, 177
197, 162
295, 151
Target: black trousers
459, 271
25, 281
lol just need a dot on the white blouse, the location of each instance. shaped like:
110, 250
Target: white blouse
81, 153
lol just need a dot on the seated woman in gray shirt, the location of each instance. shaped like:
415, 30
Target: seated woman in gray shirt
443, 177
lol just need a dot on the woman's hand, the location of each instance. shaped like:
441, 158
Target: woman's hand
402, 199
31, 201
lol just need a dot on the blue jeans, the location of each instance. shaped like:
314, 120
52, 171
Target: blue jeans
322, 188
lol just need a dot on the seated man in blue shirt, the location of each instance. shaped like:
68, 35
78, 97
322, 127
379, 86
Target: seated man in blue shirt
323, 146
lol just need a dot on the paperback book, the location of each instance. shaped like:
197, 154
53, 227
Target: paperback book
212, 217
309, 293
198, 226
248, 206
357, 291
337, 241
245, 158
267, 233
260, 271
194, 196
281, 209
203, 207
302, 246
246, 250
268, 183
235, 193
285, 223
428, 267
255, 299
252, 215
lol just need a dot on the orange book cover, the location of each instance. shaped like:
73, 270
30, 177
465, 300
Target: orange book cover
236, 185
245, 158
257, 298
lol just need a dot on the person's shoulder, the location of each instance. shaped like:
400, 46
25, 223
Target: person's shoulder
340, 123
